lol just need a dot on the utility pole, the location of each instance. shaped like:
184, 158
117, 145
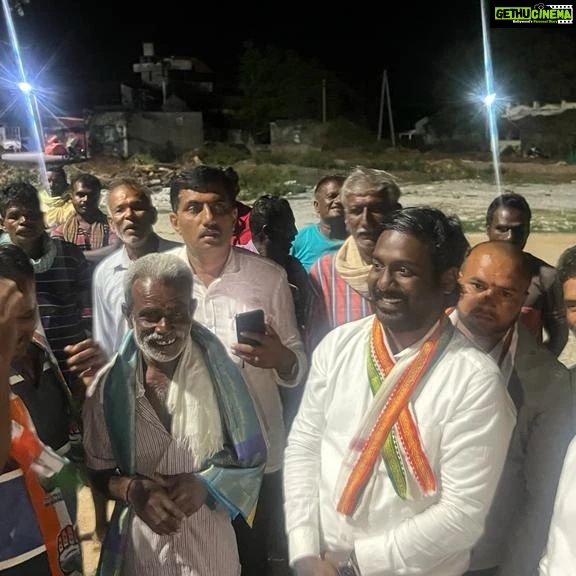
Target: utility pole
324, 101
390, 120
385, 95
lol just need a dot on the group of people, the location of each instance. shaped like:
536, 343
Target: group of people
401, 410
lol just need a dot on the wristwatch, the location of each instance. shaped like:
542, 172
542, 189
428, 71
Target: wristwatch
349, 568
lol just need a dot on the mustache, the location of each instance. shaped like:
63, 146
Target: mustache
487, 310
153, 338
388, 294
210, 228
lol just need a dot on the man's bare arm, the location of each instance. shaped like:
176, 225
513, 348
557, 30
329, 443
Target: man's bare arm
148, 497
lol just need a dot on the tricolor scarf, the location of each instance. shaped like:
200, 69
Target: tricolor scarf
232, 477
51, 480
389, 428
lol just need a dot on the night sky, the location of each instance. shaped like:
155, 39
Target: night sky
93, 44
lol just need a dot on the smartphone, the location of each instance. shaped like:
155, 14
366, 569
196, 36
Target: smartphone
252, 321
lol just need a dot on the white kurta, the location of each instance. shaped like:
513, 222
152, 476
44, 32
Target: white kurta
465, 419
560, 556
250, 282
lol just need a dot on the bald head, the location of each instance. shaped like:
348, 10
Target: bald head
503, 256
494, 281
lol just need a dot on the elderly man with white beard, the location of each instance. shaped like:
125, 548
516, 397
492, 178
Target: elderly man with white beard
172, 434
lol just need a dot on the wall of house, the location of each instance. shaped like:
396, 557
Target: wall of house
163, 134
554, 135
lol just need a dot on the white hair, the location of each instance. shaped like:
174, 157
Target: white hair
132, 184
163, 267
371, 181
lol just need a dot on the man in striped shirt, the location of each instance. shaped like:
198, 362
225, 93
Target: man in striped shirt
342, 277
194, 454
61, 273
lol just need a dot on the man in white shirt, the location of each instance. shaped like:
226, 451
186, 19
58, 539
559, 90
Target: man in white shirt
229, 281
494, 280
132, 216
560, 556
396, 451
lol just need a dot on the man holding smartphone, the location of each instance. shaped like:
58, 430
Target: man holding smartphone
230, 281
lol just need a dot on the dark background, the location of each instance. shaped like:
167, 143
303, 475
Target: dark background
434, 60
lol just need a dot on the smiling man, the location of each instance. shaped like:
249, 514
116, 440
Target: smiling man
367, 196
171, 434
229, 281
315, 240
132, 216
399, 442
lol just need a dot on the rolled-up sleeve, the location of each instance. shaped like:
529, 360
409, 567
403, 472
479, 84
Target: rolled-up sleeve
473, 450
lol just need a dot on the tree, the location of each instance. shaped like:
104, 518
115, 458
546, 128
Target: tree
277, 84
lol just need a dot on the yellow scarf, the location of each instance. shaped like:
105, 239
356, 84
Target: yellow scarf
352, 268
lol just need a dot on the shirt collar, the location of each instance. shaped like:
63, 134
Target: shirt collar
410, 349
506, 363
231, 266
124, 260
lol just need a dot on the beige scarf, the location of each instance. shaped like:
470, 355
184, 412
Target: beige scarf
193, 406
351, 267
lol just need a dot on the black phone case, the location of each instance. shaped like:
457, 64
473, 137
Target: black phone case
252, 321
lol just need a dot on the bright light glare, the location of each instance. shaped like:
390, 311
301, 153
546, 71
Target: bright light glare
489, 99
25, 87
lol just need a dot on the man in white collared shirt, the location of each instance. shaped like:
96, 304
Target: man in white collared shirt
132, 216
229, 281
494, 281
395, 453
